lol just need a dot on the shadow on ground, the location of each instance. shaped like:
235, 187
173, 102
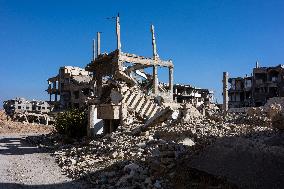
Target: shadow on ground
67, 185
16, 146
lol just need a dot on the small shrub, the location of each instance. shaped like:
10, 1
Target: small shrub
72, 123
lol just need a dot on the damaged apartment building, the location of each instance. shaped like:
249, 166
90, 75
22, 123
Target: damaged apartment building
193, 95
255, 90
70, 88
35, 111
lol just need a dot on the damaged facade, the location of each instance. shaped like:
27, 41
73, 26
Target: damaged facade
255, 90
35, 111
192, 95
70, 88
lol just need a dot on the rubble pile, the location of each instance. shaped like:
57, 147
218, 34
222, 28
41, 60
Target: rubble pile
7, 125
189, 113
278, 121
148, 160
3, 116
270, 109
269, 114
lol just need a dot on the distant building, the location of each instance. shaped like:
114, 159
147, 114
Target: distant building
70, 88
192, 95
21, 105
265, 83
240, 92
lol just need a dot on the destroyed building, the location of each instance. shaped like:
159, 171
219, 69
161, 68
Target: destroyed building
193, 95
20, 109
240, 92
255, 90
120, 87
124, 89
70, 88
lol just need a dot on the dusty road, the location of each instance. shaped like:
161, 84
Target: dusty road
26, 166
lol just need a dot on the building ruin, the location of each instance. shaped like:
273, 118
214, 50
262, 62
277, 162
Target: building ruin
255, 90
193, 95
70, 88
35, 111
120, 88
123, 89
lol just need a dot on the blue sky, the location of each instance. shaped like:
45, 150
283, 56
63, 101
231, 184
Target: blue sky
203, 38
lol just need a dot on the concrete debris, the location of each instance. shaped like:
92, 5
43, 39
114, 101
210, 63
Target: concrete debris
278, 121
189, 113
273, 107
7, 125
35, 111
151, 159
188, 142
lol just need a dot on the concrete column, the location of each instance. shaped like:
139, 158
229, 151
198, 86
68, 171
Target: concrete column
171, 80
225, 91
155, 55
118, 42
94, 49
98, 43
91, 121
155, 79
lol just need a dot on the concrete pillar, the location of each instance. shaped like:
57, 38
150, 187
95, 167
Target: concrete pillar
155, 79
225, 91
94, 49
171, 81
98, 43
155, 55
118, 42
91, 120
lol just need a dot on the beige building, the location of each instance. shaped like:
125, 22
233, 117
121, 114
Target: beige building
70, 88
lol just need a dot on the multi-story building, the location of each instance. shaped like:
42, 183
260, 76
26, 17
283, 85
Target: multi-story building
268, 82
21, 105
192, 95
73, 86
265, 83
240, 94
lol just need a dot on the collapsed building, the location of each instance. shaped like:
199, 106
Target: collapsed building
35, 111
70, 88
125, 90
120, 88
255, 90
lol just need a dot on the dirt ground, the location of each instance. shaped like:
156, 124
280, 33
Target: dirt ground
25, 166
